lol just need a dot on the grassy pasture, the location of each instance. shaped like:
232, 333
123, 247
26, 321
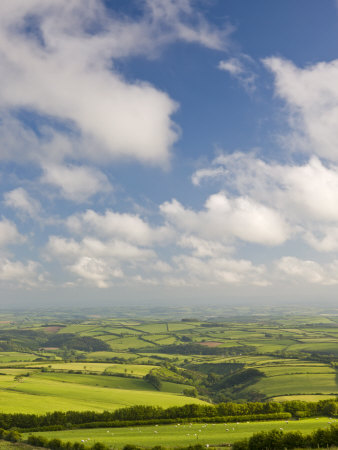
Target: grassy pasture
297, 384
46, 394
106, 355
152, 328
284, 376
136, 369
6, 357
112, 382
98, 380
126, 330
319, 347
127, 342
303, 398
272, 371
77, 328
166, 340
181, 434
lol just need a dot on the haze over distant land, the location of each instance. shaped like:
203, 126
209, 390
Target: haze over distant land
168, 151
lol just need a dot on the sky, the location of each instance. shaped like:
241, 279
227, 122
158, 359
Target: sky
168, 151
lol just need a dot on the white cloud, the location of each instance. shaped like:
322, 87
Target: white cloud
311, 94
19, 274
239, 68
53, 65
224, 218
220, 271
75, 183
119, 225
177, 19
69, 249
98, 261
323, 239
95, 271
20, 200
306, 195
232, 65
204, 248
308, 271
9, 233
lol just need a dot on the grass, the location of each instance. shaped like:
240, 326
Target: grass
285, 378
98, 380
99, 356
126, 343
6, 357
135, 369
112, 382
181, 434
330, 348
303, 398
49, 393
297, 384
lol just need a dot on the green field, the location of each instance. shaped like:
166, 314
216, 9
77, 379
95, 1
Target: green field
95, 363
297, 384
304, 398
135, 369
181, 434
6, 357
45, 392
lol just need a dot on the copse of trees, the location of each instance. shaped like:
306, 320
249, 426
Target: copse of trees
154, 380
56, 444
278, 440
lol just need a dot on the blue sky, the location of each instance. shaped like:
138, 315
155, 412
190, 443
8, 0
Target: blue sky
168, 151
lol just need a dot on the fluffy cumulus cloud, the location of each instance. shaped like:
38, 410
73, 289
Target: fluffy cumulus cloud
309, 271
99, 261
225, 218
311, 95
130, 227
9, 233
75, 183
114, 248
195, 271
20, 200
95, 270
119, 118
305, 195
19, 274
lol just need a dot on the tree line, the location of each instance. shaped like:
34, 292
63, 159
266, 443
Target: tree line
270, 440
278, 440
255, 410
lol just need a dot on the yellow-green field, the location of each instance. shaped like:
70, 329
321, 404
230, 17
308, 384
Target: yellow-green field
280, 348
43, 392
181, 434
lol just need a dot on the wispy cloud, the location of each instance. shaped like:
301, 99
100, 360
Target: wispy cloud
241, 67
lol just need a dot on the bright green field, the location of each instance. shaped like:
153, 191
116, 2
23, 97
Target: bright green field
303, 398
296, 369
184, 434
6, 357
136, 369
112, 382
297, 384
320, 347
50, 393
105, 355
